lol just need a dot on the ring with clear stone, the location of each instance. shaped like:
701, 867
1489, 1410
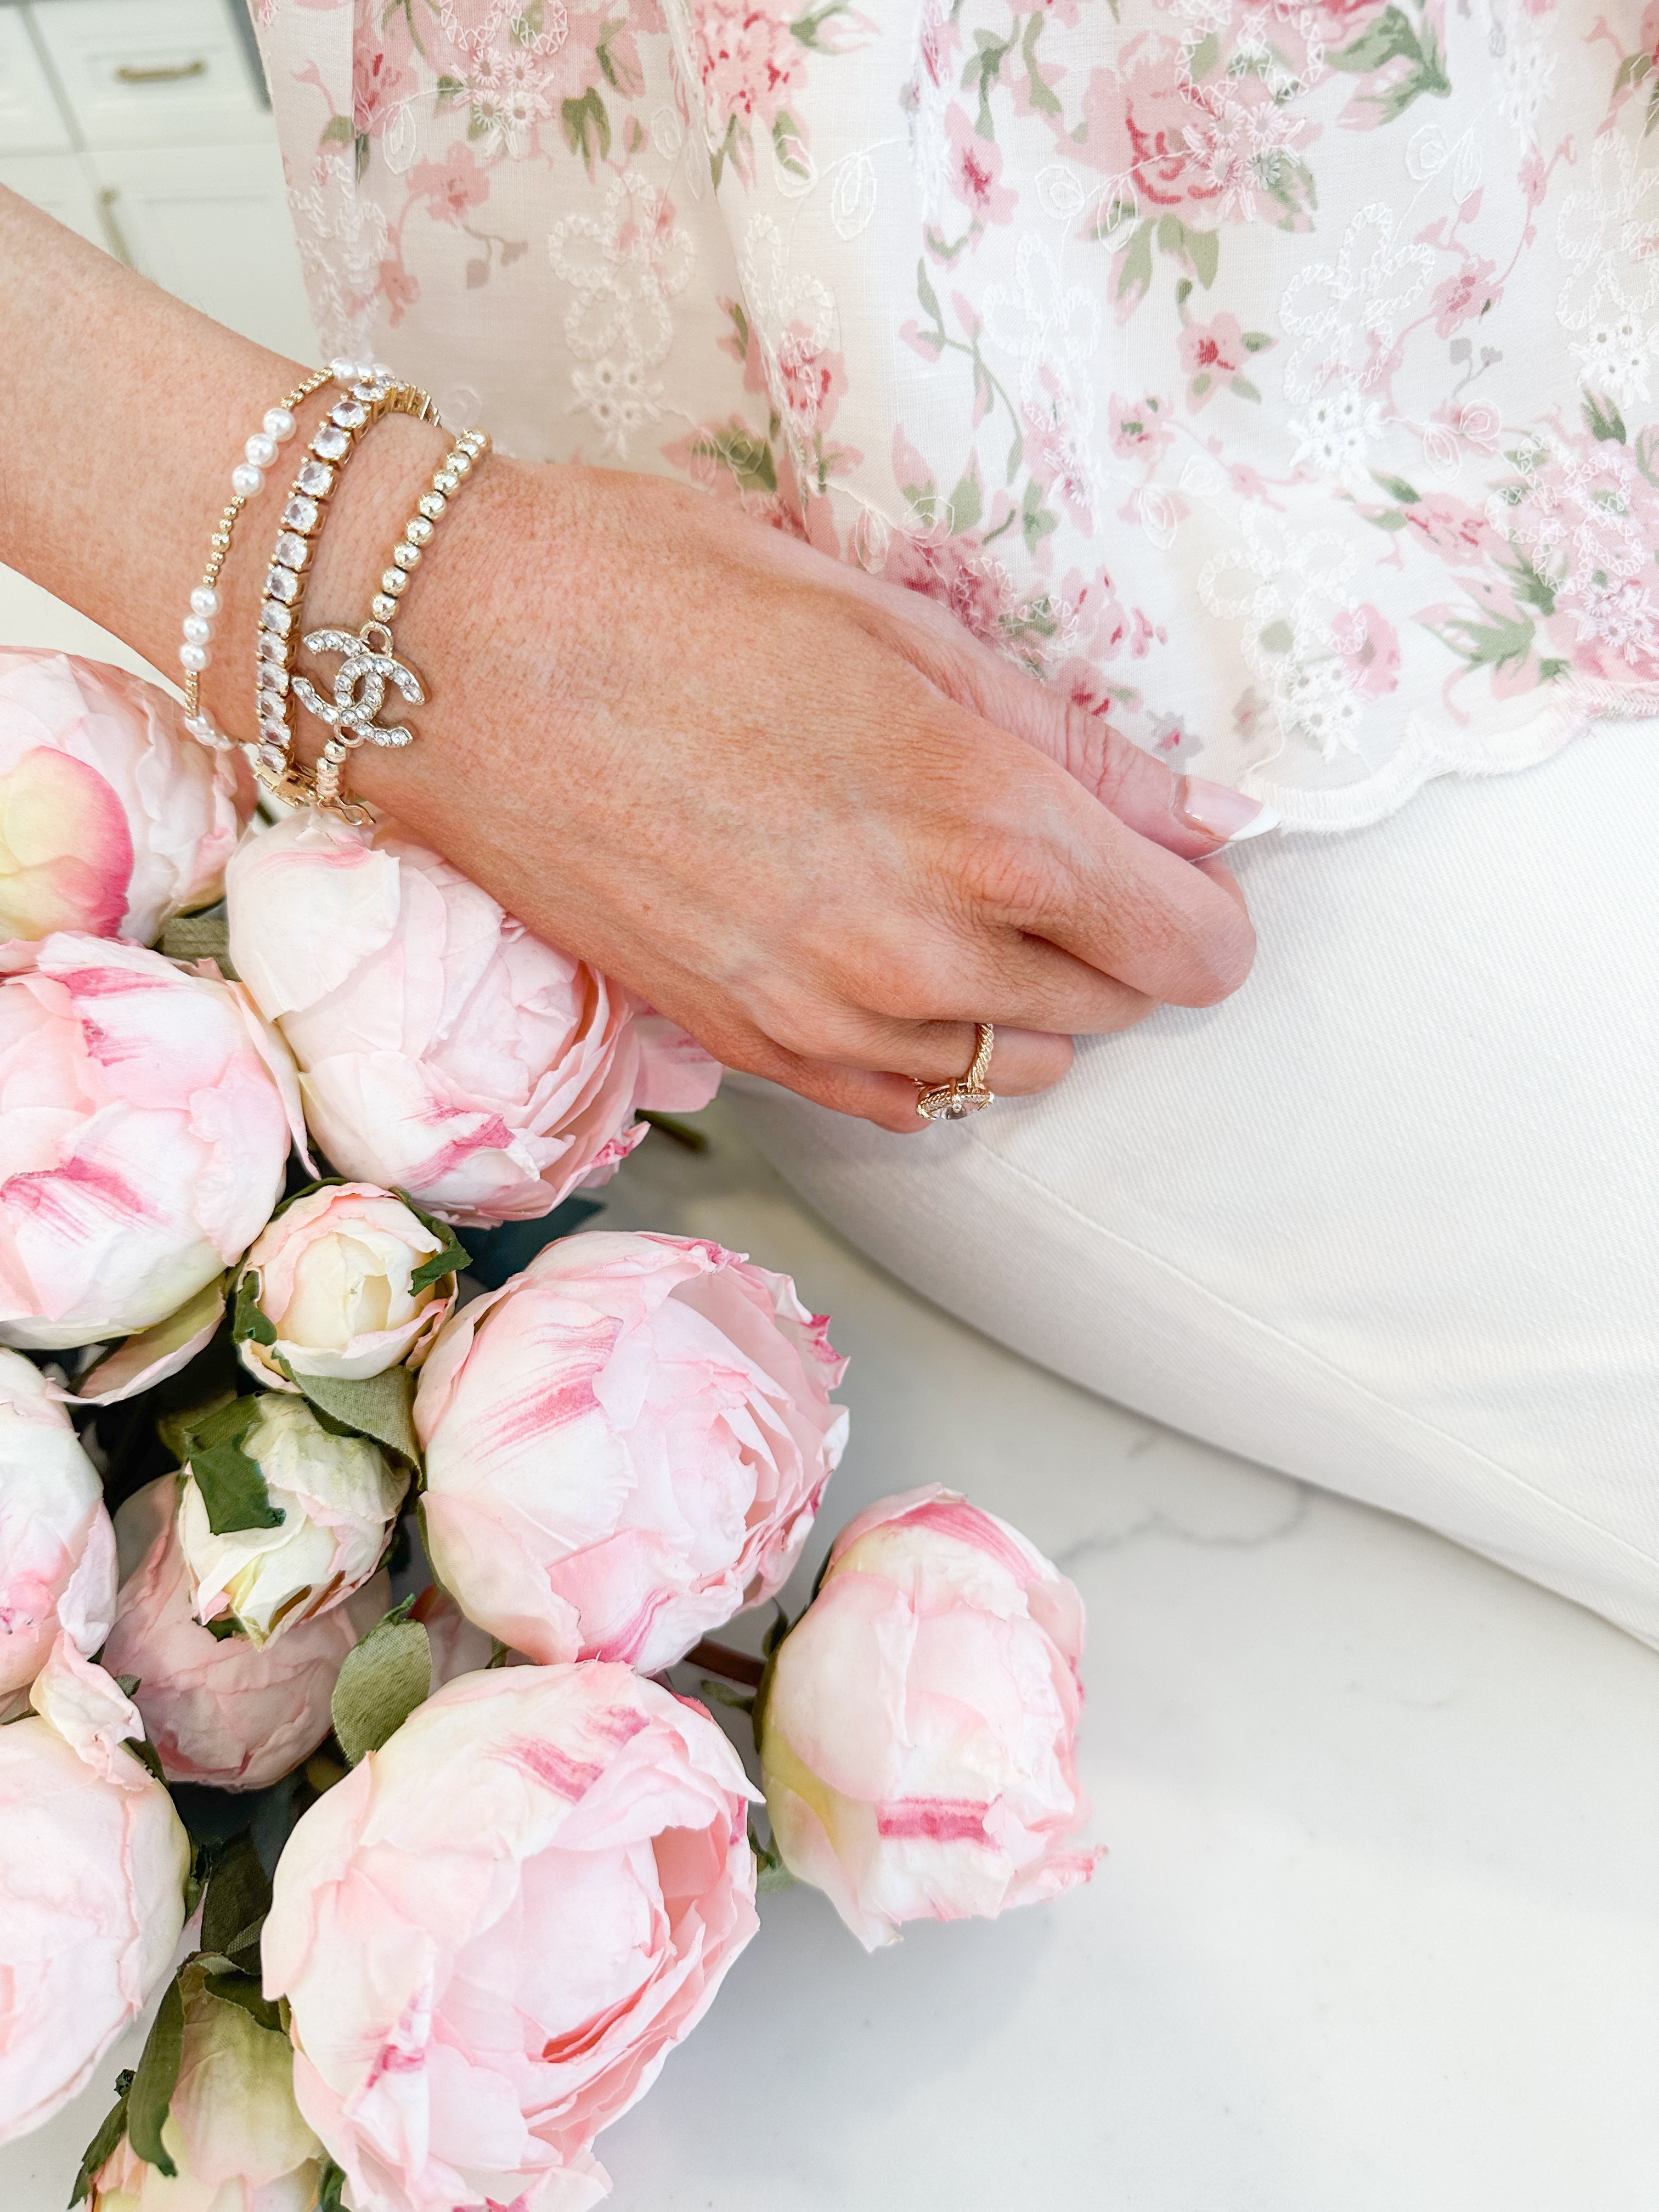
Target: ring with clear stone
369, 393
349, 724
246, 479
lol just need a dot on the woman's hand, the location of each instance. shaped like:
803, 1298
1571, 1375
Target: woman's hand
797, 810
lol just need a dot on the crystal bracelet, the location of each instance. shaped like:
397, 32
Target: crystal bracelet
368, 663
247, 478
370, 396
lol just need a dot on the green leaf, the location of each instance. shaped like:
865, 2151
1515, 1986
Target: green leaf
1602, 420
1203, 58
336, 131
748, 458
1136, 273
233, 1908
233, 1488
1203, 252
328, 2186
147, 1756
382, 1681
787, 145
1398, 487
1277, 637
1377, 44
451, 1260
244, 1991
966, 503
1241, 388
927, 295
204, 935
152, 2084
1390, 518
377, 1407
1254, 341
1042, 97
102, 2146
248, 1320
586, 126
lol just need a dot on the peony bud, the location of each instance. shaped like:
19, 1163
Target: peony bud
233, 2130
145, 1117
332, 1500
444, 1051
57, 1551
347, 1281
625, 1445
112, 818
223, 1711
93, 1865
917, 1732
494, 1929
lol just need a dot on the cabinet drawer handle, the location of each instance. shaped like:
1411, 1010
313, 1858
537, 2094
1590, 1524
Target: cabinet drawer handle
163, 73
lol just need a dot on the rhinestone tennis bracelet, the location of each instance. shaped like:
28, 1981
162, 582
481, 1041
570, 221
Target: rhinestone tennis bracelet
370, 396
247, 478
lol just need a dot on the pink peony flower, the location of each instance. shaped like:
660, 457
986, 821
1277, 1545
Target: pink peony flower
494, 1929
146, 1113
93, 1865
443, 1049
112, 819
625, 1445
226, 1713
233, 2130
57, 1548
334, 1275
917, 1733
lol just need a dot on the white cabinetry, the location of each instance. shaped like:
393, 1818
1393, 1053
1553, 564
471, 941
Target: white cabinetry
142, 125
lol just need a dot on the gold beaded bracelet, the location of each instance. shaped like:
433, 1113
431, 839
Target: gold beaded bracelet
372, 395
247, 478
368, 663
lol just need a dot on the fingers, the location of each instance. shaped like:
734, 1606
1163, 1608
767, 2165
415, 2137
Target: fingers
1188, 815
1046, 861
1023, 1062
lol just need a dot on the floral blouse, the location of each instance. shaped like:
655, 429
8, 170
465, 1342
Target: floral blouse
1274, 379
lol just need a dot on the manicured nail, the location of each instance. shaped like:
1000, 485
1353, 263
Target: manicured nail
1222, 812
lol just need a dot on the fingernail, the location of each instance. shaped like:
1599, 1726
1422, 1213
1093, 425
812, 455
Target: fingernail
1220, 811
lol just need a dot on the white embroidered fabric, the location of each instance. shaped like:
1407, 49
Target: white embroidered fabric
1275, 379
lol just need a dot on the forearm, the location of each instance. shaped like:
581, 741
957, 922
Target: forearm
118, 437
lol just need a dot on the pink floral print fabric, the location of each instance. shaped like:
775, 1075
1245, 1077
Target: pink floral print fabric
1275, 379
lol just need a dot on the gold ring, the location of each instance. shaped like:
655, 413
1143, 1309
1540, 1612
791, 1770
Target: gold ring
955, 1101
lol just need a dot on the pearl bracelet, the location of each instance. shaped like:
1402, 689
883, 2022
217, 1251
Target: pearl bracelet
247, 478
371, 395
368, 664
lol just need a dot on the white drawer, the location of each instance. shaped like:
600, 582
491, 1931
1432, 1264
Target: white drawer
149, 72
31, 121
211, 225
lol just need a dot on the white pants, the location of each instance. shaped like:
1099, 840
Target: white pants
1389, 1220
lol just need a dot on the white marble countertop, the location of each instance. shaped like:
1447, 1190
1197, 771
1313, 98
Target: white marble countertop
1379, 1927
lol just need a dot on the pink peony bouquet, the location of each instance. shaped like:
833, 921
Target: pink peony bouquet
354, 1510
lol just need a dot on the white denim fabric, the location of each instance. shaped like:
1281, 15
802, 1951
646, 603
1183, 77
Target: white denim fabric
1388, 1219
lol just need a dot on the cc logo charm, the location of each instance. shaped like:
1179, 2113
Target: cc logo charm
360, 686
